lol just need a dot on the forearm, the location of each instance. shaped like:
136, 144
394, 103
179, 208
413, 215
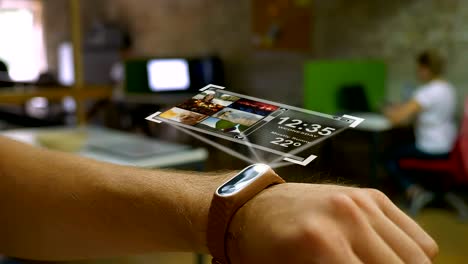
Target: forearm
395, 118
401, 114
59, 206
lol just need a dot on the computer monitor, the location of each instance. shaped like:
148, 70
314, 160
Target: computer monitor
155, 79
168, 75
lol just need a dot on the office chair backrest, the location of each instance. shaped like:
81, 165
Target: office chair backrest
463, 137
352, 98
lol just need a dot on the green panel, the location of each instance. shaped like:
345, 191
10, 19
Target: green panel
136, 76
323, 79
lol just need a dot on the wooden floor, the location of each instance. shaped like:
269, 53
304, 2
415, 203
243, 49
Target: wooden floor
443, 225
450, 234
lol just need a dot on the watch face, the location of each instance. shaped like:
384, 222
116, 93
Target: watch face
243, 179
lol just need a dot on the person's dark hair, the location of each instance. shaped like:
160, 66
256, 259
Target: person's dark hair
432, 60
3, 67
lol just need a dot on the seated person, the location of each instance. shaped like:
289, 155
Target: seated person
433, 105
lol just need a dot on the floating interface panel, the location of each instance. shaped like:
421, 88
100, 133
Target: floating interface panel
277, 128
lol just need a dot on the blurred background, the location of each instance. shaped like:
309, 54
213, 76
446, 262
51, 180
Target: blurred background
78, 76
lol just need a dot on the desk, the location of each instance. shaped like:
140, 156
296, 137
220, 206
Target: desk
375, 124
20, 95
170, 159
182, 156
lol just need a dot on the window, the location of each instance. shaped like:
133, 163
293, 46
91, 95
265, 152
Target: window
22, 47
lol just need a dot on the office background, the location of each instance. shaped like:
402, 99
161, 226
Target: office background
279, 50
392, 31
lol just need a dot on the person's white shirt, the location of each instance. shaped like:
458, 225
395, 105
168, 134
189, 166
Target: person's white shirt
435, 128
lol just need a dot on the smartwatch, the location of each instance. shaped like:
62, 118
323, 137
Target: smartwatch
229, 198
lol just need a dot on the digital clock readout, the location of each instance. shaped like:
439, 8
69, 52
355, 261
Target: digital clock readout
294, 129
312, 128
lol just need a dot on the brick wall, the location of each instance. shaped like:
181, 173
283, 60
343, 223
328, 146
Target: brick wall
395, 31
190, 28
165, 27
57, 23
181, 27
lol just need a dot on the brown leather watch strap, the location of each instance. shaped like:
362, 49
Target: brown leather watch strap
223, 208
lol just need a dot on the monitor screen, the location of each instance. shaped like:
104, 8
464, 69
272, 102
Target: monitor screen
166, 75
148, 79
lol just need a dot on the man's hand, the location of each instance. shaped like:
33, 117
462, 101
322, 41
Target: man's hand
63, 207
308, 223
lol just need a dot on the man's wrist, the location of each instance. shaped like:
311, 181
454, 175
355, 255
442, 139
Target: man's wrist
235, 232
238, 228
227, 204
198, 206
